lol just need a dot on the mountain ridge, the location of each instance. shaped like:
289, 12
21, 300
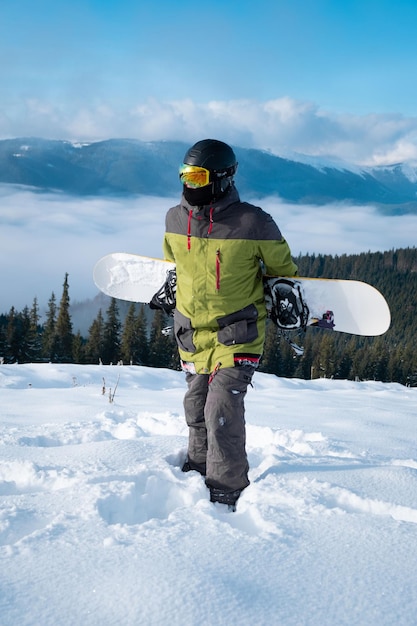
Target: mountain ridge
134, 167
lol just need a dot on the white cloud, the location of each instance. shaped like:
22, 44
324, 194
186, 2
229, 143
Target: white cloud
341, 228
45, 235
282, 125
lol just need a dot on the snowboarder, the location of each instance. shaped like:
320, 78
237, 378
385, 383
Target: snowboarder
219, 245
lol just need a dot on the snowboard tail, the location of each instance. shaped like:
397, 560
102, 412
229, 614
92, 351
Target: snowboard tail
348, 306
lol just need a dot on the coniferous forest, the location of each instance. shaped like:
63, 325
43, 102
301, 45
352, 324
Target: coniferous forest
141, 337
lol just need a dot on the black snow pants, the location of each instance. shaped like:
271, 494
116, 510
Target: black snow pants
215, 415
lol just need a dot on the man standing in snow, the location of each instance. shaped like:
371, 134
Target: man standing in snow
218, 244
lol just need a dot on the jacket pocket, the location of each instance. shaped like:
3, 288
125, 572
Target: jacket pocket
238, 327
183, 332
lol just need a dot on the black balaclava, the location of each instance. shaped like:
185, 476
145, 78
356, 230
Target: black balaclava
208, 194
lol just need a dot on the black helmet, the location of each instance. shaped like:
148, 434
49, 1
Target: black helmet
212, 154
220, 161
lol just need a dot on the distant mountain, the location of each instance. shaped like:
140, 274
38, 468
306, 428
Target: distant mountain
129, 166
84, 313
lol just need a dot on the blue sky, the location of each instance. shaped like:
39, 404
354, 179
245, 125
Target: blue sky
315, 76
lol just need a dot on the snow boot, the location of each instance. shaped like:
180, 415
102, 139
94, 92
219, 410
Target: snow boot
225, 497
189, 466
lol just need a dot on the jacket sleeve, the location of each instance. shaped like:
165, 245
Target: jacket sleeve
275, 252
167, 251
276, 257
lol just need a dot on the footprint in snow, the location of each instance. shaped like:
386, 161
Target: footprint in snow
146, 496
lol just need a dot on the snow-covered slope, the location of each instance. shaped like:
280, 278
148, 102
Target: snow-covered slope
99, 526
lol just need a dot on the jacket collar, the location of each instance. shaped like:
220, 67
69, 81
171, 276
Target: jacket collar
230, 198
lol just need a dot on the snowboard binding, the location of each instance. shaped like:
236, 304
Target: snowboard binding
287, 308
165, 297
285, 303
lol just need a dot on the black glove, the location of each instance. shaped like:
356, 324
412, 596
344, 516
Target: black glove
165, 297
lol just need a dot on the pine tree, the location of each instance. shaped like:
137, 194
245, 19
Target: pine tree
305, 362
49, 339
128, 346
35, 333
95, 341
78, 349
345, 360
19, 337
134, 345
162, 348
357, 371
12, 337
272, 350
3, 342
377, 357
111, 334
25, 338
323, 362
142, 356
63, 327
289, 360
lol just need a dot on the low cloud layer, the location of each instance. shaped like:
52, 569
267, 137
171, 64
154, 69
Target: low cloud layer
282, 125
44, 236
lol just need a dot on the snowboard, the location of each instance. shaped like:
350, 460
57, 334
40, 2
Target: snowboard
348, 306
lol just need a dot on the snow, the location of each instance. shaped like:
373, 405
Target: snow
408, 169
324, 162
99, 526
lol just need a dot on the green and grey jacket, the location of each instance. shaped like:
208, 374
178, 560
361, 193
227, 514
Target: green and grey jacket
218, 250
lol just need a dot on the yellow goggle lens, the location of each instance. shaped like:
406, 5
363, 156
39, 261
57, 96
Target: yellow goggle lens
194, 176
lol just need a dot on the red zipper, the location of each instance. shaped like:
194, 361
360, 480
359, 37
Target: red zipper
190, 215
214, 372
210, 228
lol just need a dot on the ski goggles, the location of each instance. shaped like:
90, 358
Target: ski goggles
194, 176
